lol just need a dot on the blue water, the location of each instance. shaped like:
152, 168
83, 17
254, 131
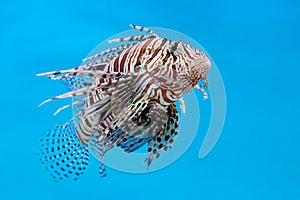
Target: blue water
255, 45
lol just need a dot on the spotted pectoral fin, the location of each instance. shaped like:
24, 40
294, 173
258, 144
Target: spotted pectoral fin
62, 154
129, 125
131, 143
164, 140
143, 126
129, 119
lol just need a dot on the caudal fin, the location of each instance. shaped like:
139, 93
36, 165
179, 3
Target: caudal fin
62, 154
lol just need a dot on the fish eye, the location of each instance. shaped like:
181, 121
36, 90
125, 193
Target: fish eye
173, 48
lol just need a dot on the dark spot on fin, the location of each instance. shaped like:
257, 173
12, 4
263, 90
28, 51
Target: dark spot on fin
62, 154
165, 138
131, 143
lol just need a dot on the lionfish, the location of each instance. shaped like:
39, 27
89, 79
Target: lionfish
124, 96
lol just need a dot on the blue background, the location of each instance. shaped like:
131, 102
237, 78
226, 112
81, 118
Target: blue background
255, 45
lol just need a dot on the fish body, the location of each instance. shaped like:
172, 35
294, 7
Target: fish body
126, 95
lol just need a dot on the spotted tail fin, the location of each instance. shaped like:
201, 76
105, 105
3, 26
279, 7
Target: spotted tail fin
62, 154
